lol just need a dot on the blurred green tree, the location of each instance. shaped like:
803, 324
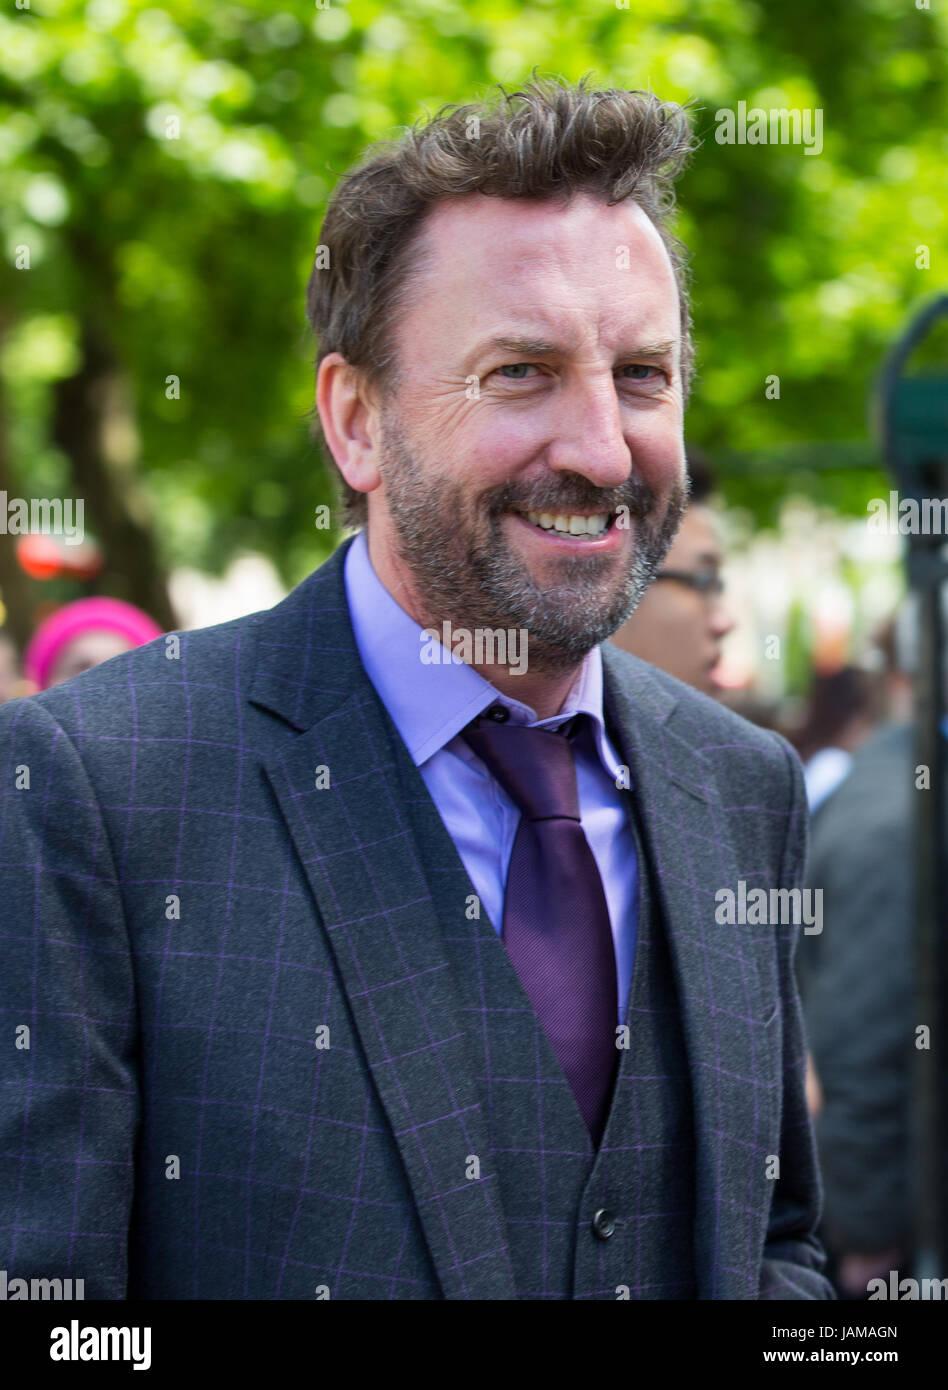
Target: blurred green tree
164, 171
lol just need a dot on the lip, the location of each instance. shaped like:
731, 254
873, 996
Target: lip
557, 540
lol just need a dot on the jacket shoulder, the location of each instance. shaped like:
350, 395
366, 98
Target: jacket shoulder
149, 688
700, 720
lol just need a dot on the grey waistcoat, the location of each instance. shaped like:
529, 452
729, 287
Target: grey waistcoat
551, 1183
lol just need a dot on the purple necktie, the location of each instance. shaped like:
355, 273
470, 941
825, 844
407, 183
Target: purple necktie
556, 921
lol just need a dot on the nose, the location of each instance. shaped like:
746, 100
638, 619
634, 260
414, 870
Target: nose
722, 621
587, 435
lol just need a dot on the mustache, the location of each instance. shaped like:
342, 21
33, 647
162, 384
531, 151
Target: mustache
635, 494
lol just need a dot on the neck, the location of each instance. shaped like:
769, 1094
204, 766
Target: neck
543, 693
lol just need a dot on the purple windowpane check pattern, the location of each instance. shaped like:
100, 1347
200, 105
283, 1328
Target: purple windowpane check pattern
269, 1051
644, 1170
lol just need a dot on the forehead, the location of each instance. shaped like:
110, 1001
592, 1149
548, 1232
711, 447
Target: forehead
95, 639
581, 267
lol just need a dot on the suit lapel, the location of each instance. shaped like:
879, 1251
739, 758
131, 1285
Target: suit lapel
338, 789
685, 828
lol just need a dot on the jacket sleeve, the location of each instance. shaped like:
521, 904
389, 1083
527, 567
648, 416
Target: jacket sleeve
68, 1082
793, 1258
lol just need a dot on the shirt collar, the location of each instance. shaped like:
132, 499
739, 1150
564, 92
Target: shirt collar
430, 704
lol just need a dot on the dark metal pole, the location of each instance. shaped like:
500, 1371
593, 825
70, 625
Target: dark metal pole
928, 573
914, 416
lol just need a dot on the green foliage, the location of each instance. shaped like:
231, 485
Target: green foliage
186, 250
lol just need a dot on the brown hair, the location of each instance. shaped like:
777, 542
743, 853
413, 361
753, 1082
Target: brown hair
547, 141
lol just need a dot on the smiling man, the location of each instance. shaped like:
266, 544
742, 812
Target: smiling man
350, 973
532, 473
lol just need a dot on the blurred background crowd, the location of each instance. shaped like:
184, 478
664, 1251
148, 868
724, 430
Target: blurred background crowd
164, 169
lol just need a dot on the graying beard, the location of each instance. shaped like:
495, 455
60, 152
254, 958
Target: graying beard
504, 596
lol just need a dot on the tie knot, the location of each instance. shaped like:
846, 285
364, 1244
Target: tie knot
535, 767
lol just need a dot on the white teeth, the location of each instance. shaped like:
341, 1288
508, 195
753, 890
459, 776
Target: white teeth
571, 525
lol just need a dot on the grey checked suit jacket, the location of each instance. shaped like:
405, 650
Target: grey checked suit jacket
243, 1053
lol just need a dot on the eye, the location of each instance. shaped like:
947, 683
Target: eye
517, 367
516, 371
641, 369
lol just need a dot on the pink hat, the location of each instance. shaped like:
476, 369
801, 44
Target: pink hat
86, 615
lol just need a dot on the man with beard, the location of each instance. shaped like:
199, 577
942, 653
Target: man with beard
353, 967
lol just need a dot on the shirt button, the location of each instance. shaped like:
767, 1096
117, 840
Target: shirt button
499, 713
603, 1224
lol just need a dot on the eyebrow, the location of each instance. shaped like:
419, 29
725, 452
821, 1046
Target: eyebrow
540, 347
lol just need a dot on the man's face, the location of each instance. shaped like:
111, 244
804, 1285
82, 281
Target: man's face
539, 373
675, 627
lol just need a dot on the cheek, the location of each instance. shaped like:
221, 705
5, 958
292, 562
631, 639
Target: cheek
681, 620
662, 611
697, 625
492, 450
658, 451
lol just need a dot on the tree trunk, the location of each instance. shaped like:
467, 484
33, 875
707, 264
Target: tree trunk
114, 508
15, 586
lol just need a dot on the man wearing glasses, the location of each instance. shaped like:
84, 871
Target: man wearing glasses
680, 623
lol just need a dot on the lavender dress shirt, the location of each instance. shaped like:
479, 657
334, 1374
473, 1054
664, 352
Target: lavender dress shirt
430, 704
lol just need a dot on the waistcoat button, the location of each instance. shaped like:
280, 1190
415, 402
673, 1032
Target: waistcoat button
603, 1224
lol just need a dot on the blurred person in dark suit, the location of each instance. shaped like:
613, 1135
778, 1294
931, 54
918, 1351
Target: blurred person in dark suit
857, 985
842, 711
680, 623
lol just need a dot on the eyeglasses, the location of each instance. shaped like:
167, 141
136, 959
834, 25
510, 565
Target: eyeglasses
706, 581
